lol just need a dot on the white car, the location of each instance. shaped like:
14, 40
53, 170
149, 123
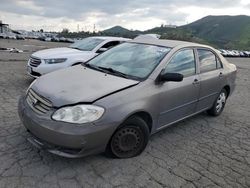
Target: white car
49, 60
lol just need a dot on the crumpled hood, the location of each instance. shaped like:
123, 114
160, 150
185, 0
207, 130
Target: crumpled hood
59, 53
78, 84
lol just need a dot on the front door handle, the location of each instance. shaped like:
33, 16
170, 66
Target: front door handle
196, 81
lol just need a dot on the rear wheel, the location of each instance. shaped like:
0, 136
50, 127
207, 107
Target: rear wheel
130, 139
219, 104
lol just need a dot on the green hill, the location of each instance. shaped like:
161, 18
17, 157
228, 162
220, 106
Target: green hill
117, 29
223, 31
121, 31
232, 32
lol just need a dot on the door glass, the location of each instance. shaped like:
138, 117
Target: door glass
207, 60
183, 62
110, 44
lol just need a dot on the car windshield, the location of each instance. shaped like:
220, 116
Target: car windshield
87, 44
131, 59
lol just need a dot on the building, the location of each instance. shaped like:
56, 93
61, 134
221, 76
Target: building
4, 28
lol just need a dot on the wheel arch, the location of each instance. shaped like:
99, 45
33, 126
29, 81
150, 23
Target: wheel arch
144, 115
227, 88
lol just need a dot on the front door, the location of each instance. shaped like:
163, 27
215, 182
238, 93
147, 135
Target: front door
179, 99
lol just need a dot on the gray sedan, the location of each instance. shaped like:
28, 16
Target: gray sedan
114, 102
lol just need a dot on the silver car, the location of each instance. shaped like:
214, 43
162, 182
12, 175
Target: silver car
114, 102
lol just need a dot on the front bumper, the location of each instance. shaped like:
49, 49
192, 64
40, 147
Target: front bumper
64, 139
33, 74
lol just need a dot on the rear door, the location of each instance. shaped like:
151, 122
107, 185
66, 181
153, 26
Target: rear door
211, 77
179, 99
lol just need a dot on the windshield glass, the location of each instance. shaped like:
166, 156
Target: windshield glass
132, 59
87, 44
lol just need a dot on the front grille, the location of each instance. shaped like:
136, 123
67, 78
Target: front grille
35, 62
38, 103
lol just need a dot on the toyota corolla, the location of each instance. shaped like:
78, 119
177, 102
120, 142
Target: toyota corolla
114, 102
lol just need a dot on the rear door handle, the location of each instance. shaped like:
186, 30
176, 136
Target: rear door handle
196, 81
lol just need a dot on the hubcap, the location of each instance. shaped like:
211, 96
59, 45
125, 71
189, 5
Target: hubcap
127, 141
220, 102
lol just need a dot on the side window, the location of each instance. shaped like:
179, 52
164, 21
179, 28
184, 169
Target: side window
183, 62
208, 61
219, 64
110, 44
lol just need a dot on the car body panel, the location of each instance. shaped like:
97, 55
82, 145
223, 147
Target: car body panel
58, 53
211, 84
174, 105
89, 85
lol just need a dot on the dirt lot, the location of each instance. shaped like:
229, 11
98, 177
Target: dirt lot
199, 152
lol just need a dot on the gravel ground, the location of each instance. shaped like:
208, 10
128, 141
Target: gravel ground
201, 151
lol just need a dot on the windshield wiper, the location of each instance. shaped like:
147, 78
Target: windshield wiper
113, 71
110, 70
92, 67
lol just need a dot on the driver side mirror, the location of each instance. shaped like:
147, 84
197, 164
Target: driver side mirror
101, 50
170, 77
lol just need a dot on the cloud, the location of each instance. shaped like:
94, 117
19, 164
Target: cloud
139, 14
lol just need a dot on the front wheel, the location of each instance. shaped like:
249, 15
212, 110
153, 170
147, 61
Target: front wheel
219, 104
130, 139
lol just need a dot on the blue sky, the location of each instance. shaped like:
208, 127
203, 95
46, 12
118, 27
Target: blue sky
54, 15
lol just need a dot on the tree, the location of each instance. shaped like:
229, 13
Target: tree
65, 30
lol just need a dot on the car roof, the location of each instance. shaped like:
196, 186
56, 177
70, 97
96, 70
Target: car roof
168, 43
111, 38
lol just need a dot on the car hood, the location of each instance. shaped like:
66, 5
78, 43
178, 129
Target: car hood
78, 84
59, 53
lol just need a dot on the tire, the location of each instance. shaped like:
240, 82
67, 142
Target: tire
219, 104
130, 139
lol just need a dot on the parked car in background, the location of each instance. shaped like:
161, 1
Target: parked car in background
20, 37
114, 102
247, 53
11, 36
234, 53
55, 39
46, 61
3, 36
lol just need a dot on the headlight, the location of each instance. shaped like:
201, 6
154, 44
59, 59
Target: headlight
78, 114
53, 61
